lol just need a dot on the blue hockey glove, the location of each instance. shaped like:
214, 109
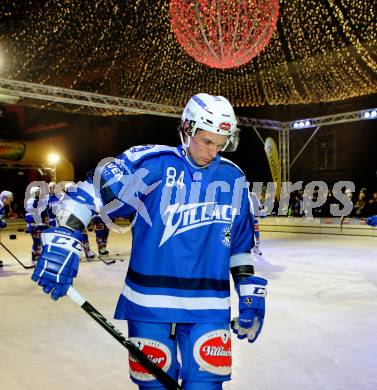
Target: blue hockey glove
372, 221
58, 263
251, 292
29, 218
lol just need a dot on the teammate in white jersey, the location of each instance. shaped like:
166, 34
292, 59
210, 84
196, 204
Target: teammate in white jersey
192, 228
36, 219
259, 211
6, 198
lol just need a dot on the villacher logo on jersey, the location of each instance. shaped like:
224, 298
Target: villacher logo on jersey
182, 218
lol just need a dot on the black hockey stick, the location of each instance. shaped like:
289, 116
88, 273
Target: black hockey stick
341, 222
106, 260
25, 266
159, 374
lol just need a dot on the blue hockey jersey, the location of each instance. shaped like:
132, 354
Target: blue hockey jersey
188, 223
2, 215
36, 211
52, 205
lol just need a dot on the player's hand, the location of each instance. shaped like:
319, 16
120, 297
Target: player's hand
3, 223
59, 261
372, 221
252, 293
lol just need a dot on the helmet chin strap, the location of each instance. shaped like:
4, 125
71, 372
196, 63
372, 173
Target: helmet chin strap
185, 146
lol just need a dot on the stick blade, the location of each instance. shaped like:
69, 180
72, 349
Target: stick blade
107, 260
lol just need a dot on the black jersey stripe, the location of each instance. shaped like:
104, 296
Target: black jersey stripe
177, 283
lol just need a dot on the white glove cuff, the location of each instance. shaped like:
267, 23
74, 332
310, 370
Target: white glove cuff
68, 208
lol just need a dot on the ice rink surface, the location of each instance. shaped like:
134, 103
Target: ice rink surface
320, 330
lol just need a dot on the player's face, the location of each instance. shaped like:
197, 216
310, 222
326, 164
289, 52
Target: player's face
8, 200
204, 146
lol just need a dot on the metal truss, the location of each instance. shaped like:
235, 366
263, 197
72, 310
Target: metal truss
261, 123
22, 92
346, 117
284, 154
12, 91
354, 116
25, 90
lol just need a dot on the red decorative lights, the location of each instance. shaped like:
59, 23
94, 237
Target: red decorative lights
223, 33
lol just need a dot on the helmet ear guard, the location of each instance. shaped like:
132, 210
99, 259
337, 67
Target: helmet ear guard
186, 126
233, 141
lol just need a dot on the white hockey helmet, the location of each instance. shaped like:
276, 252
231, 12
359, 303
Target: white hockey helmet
211, 113
5, 195
52, 184
35, 191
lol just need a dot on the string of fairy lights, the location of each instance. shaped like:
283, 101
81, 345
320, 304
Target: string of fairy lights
320, 51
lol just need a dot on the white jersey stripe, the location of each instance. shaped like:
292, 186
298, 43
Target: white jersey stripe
174, 302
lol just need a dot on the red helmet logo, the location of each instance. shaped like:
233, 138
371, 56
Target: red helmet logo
225, 125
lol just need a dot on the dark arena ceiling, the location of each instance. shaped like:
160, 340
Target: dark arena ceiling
321, 51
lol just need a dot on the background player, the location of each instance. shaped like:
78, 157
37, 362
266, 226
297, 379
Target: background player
193, 222
53, 201
36, 218
6, 198
102, 235
258, 212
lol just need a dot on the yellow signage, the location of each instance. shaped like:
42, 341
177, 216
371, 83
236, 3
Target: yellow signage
274, 163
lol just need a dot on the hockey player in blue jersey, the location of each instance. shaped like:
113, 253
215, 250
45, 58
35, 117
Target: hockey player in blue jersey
192, 228
52, 204
259, 211
6, 198
102, 235
36, 219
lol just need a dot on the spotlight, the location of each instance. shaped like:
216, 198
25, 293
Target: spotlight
53, 158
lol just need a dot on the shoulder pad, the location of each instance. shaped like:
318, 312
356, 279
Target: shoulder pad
225, 161
142, 152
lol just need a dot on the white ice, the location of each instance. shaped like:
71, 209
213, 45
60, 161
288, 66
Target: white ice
320, 330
